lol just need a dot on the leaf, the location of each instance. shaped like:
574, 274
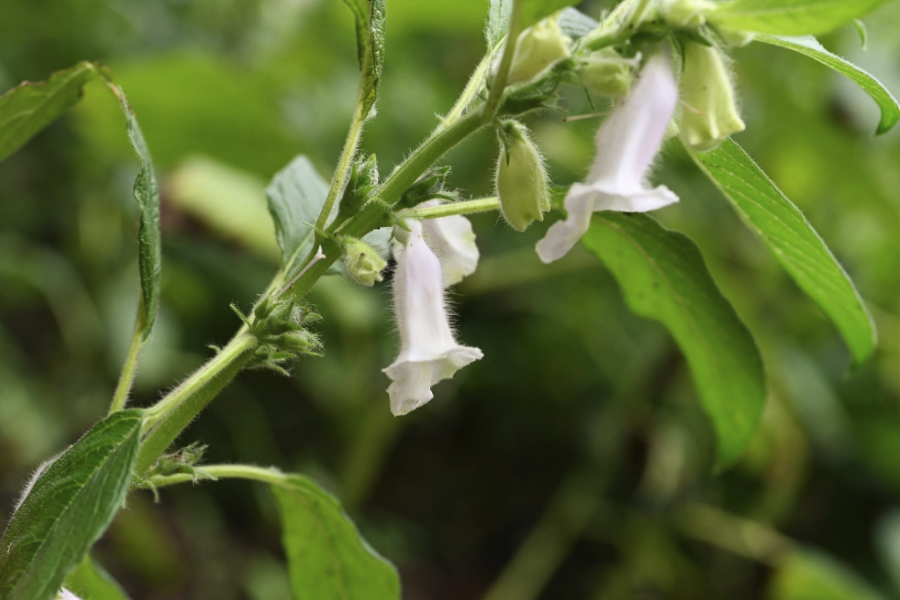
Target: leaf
790, 17
811, 575
90, 581
663, 277
370, 22
497, 21
296, 195
794, 242
533, 11
30, 107
146, 192
71, 504
576, 24
810, 46
327, 558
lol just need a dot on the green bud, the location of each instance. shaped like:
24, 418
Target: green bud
605, 73
735, 38
538, 47
710, 111
363, 263
521, 178
686, 13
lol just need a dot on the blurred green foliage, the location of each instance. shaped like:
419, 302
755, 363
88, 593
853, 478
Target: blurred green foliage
579, 434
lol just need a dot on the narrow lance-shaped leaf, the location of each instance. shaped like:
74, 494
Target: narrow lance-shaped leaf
790, 17
663, 277
146, 192
794, 242
327, 558
810, 46
69, 507
30, 107
497, 21
89, 581
370, 21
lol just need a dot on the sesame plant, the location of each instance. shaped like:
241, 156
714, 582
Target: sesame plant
658, 72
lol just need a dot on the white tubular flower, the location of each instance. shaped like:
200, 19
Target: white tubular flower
627, 143
428, 351
65, 594
451, 238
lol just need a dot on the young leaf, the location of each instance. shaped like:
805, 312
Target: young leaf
810, 46
146, 192
69, 507
663, 277
794, 242
296, 195
497, 21
790, 17
533, 11
30, 107
91, 582
327, 558
576, 24
811, 575
370, 21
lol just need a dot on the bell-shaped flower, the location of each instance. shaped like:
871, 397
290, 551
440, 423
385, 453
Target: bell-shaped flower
452, 240
710, 106
627, 142
429, 352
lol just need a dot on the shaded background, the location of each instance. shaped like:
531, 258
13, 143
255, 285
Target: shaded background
579, 432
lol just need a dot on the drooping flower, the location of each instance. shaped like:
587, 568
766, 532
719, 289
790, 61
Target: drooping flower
429, 352
452, 240
710, 107
65, 594
627, 143
521, 178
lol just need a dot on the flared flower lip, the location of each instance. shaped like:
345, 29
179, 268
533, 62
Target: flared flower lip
413, 377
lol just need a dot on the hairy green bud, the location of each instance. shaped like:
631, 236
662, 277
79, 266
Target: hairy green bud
537, 48
521, 178
363, 263
710, 109
606, 73
686, 13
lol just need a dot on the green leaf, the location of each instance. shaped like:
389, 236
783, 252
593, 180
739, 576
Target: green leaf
91, 582
810, 575
664, 277
327, 558
810, 46
790, 17
69, 507
370, 22
794, 242
576, 24
146, 192
533, 11
30, 107
296, 195
497, 21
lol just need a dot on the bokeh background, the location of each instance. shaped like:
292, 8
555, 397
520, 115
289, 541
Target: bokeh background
572, 461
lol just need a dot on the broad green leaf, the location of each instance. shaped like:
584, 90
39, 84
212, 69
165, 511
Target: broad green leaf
296, 195
69, 507
663, 277
30, 107
790, 17
370, 23
810, 46
91, 582
810, 575
533, 11
146, 192
499, 12
794, 242
327, 558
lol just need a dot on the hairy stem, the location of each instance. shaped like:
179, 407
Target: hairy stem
171, 415
343, 167
265, 475
498, 85
126, 378
466, 207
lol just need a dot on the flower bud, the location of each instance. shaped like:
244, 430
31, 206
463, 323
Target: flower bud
710, 111
686, 13
605, 73
363, 263
521, 178
538, 47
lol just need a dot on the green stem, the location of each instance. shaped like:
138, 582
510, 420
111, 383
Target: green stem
171, 415
468, 94
498, 85
270, 475
465, 207
343, 166
743, 537
126, 378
